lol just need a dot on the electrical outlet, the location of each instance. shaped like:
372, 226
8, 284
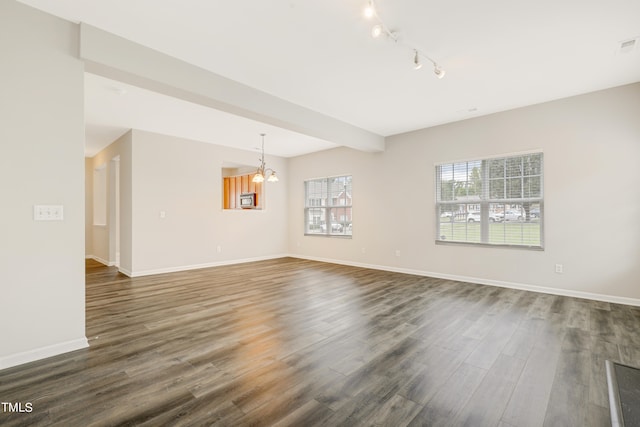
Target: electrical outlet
219, 248
559, 269
397, 252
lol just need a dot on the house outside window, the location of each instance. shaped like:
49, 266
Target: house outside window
494, 201
328, 206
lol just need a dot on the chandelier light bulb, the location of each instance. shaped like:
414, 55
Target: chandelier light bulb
439, 72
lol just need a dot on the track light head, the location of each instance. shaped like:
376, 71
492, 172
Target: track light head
369, 11
439, 72
416, 61
376, 31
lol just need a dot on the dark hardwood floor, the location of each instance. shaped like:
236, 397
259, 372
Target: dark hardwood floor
299, 343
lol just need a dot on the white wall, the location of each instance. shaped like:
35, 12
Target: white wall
183, 179
88, 207
42, 162
591, 145
103, 237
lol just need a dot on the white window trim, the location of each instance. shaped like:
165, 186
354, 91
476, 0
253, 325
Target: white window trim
327, 207
485, 201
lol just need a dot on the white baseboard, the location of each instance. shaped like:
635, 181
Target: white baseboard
100, 260
198, 266
42, 353
125, 272
511, 285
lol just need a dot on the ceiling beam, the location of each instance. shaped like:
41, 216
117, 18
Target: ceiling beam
120, 59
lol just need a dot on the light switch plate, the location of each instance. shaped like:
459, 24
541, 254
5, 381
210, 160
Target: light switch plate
48, 212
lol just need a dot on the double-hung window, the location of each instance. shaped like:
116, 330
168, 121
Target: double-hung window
328, 206
494, 201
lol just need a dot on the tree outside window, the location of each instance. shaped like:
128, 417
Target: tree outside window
328, 206
495, 201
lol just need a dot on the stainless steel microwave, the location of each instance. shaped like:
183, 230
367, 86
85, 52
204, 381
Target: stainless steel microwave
248, 200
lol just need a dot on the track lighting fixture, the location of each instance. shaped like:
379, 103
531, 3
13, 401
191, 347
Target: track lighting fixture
439, 72
381, 29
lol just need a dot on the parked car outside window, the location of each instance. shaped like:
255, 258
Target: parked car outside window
335, 226
513, 215
475, 216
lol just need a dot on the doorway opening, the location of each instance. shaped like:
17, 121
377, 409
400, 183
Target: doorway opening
114, 212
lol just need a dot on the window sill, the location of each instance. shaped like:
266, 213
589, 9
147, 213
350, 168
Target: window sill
336, 236
490, 245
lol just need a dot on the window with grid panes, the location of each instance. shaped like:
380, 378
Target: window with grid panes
493, 201
328, 206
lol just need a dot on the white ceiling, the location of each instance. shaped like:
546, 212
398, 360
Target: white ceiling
497, 54
112, 108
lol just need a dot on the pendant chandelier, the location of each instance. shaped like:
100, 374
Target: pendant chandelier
262, 172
